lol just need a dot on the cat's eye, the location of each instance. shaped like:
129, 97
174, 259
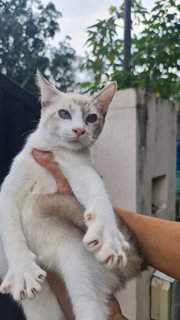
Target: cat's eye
91, 118
64, 114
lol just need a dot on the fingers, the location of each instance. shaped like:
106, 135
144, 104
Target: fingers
115, 310
45, 159
42, 157
58, 287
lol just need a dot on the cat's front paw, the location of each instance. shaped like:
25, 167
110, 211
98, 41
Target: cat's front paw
23, 279
105, 241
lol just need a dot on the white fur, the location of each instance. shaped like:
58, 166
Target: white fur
29, 241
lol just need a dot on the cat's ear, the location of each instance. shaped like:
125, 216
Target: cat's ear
104, 97
48, 91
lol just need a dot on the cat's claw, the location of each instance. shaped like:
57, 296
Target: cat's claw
106, 242
23, 281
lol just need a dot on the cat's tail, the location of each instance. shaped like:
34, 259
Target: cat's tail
64, 207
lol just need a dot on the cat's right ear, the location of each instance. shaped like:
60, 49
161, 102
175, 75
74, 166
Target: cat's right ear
48, 91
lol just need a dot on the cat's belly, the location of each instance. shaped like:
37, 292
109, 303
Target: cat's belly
35, 185
43, 234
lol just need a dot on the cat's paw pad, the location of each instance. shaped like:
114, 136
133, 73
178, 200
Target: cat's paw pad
23, 281
107, 243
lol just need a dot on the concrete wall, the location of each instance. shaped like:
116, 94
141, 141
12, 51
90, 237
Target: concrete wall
135, 155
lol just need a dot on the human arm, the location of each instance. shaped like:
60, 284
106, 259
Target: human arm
159, 240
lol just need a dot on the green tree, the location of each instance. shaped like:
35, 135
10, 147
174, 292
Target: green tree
64, 65
155, 51
27, 28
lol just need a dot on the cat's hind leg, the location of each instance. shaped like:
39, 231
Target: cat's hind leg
78, 269
44, 306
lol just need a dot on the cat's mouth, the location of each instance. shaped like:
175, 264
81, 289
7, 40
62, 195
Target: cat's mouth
75, 142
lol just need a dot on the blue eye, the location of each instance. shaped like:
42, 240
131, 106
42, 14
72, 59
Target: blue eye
91, 118
64, 114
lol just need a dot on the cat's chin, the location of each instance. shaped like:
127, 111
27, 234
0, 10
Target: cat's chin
79, 145
74, 146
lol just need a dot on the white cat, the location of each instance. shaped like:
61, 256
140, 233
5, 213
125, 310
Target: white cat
90, 265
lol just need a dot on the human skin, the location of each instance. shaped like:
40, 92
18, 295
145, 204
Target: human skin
59, 289
158, 239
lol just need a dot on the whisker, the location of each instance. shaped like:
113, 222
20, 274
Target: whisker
88, 141
26, 132
68, 135
34, 121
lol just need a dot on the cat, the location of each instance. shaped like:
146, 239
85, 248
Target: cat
38, 230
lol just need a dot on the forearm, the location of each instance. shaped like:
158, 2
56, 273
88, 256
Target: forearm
159, 240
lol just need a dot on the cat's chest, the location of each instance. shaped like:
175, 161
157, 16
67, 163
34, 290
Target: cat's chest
73, 165
37, 182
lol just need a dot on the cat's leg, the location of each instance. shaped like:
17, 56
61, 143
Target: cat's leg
44, 306
3, 262
38, 308
3, 265
23, 276
81, 275
102, 238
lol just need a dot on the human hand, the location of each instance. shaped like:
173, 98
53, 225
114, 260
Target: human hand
115, 310
45, 159
57, 285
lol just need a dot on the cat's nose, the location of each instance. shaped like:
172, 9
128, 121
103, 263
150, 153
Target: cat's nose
78, 131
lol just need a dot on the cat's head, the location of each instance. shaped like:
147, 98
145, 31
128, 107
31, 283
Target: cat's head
73, 120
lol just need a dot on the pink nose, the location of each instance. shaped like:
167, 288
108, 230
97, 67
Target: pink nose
79, 131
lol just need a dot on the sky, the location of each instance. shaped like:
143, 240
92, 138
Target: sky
79, 14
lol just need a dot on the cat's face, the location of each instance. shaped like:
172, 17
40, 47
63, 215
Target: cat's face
72, 120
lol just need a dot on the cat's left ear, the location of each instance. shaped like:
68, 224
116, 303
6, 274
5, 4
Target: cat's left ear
103, 98
48, 91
